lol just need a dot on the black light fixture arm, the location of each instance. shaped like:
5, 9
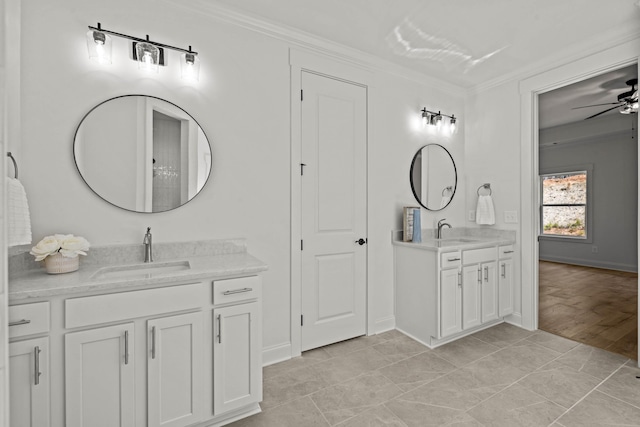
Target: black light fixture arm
136, 39
433, 113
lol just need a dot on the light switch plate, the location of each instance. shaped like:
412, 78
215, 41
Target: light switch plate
511, 217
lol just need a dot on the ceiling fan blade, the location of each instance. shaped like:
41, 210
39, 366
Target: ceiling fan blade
597, 105
602, 112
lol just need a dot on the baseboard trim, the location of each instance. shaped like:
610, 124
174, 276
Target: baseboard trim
276, 353
590, 263
385, 324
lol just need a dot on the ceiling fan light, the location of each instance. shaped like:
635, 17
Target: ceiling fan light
627, 109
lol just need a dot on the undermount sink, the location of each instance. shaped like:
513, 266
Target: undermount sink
453, 241
141, 271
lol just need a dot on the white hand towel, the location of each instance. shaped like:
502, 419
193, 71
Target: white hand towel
485, 213
18, 218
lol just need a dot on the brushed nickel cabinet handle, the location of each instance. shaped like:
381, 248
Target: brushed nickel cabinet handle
20, 322
153, 342
237, 291
486, 274
504, 273
126, 347
36, 356
508, 252
219, 329
453, 259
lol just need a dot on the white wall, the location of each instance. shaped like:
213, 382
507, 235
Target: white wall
492, 153
242, 104
610, 145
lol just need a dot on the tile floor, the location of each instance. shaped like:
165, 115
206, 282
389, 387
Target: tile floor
502, 376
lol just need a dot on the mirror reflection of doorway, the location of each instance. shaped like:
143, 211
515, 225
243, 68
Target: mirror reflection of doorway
588, 281
166, 162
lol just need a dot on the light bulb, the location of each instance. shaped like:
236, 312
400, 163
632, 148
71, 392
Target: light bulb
439, 120
425, 118
452, 125
190, 66
99, 47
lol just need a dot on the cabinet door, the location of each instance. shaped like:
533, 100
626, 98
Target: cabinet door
175, 370
237, 370
99, 377
29, 383
450, 302
471, 301
489, 292
505, 287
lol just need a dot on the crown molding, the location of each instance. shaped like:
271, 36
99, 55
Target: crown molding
305, 40
565, 56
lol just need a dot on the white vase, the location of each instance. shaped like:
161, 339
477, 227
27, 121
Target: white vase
56, 264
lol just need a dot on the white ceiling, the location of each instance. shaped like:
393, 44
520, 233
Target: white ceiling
463, 42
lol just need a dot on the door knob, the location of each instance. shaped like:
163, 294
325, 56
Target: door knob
361, 241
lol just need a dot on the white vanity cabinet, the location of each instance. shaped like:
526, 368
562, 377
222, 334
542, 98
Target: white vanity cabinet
101, 363
175, 370
99, 377
505, 280
445, 293
29, 368
29, 383
237, 368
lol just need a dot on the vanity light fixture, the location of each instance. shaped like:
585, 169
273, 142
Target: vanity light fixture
99, 45
149, 54
436, 119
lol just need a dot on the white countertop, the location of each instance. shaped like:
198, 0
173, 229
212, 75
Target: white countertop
462, 239
36, 284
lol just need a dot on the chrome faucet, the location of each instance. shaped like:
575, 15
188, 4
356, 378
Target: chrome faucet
148, 256
440, 225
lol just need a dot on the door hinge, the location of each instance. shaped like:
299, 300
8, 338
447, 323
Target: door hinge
301, 95
302, 320
301, 244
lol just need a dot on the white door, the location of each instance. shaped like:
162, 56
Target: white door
450, 302
237, 372
175, 370
334, 210
99, 377
471, 302
29, 383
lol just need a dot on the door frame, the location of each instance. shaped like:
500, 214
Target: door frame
344, 70
610, 59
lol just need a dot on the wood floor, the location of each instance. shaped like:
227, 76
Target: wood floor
590, 305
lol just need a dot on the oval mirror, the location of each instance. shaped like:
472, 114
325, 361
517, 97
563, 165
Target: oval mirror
433, 177
142, 153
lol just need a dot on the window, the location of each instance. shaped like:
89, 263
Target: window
564, 211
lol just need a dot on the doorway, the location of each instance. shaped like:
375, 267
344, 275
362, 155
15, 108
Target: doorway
587, 248
334, 210
348, 78
614, 57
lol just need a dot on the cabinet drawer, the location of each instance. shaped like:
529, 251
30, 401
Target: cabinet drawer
476, 256
505, 251
233, 290
450, 259
115, 307
28, 319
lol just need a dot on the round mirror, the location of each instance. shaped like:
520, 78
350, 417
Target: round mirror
433, 177
142, 153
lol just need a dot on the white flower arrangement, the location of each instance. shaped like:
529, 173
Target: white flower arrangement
68, 245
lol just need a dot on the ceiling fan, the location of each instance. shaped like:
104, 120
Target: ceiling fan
627, 100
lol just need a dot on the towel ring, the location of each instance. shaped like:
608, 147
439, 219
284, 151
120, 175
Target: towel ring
447, 190
15, 164
486, 187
